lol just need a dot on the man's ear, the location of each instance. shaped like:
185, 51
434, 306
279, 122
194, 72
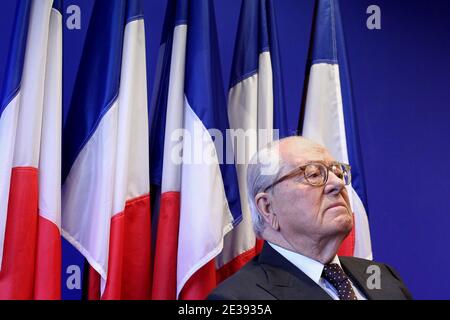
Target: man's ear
265, 208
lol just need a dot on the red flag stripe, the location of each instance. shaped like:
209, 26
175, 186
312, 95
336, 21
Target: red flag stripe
129, 265
201, 283
92, 283
347, 247
17, 274
166, 250
47, 284
238, 262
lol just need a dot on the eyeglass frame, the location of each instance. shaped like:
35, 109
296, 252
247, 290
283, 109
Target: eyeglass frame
295, 172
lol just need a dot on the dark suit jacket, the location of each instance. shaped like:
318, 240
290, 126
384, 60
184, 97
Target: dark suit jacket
270, 276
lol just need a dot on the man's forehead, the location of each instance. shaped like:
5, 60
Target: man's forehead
297, 152
303, 148
303, 158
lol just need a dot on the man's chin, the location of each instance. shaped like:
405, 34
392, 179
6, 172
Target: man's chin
344, 224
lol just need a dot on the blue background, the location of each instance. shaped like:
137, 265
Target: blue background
401, 85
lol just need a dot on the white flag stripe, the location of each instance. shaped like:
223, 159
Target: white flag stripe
243, 104
363, 244
250, 107
203, 223
87, 194
8, 127
243, 113
132, 166
29, 125
265, 93
50, 157
171, 172
324, 123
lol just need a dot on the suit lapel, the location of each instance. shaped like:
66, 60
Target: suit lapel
359, 277
285, 281
356, 269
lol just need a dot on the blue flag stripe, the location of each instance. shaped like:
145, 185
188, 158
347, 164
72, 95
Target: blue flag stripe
279, 104
263, 26
57, 4
324, 51
251, 40
182, 11
351, 124
134, 10
169, 22
176, 14
257, 33
16, 56
160, 94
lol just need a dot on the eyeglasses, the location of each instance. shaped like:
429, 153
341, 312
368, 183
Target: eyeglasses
316, 173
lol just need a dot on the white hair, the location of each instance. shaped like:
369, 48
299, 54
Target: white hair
264, 168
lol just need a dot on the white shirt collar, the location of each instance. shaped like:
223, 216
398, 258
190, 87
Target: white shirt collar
312, 268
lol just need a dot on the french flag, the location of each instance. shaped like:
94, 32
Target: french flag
199, 201
256, 106
105, 169
30, 155
329, 115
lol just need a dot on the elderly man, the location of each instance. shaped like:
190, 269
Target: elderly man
301, 208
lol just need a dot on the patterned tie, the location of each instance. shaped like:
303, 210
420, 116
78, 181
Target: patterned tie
337, 277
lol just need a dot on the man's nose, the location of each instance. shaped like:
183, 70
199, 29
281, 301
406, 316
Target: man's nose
334, 184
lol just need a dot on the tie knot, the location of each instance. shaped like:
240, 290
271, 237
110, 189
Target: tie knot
334, 273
